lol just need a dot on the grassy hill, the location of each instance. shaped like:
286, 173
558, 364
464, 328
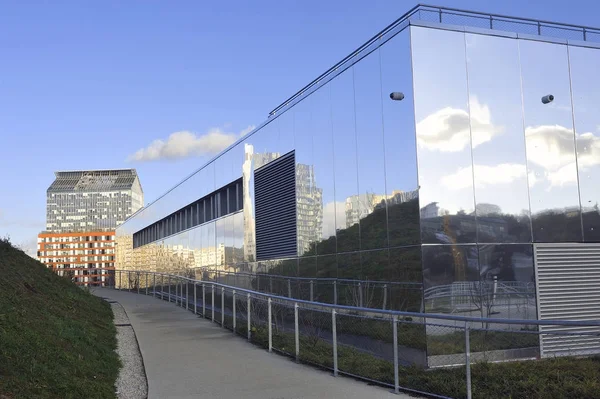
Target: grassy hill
56, 340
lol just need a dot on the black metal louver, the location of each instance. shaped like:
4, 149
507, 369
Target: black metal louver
275, 202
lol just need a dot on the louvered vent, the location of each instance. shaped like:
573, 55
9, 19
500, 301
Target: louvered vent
568, 286
275, 201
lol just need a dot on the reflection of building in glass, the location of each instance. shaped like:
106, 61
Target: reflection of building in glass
83, 210
252, 161
309, 208
360, 206
483, 174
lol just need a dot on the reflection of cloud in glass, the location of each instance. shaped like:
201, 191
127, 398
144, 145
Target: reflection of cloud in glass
484, 175
551, 147
331, 212
449, 130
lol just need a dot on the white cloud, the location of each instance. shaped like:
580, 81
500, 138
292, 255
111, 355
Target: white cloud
484, 176
449, 129
186, 144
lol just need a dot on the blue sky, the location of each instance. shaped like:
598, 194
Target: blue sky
85, 85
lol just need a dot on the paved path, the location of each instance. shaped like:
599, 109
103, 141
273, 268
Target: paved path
189, 357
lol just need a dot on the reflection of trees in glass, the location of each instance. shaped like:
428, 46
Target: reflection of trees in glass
403, 219
492, 226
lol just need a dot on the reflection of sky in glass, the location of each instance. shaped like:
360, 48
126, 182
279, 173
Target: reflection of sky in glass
443, 133
495, 97
584, 64
548, 128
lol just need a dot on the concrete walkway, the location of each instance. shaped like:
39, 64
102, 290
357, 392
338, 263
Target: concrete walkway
189, 357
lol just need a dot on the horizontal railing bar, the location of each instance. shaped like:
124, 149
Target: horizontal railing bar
390, 313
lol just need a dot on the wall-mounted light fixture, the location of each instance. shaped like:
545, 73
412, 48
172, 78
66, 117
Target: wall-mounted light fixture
397, 96
547, 99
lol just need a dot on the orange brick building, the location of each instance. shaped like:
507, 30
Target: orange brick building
88, 258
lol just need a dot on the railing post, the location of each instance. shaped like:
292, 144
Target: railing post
270, 326
137, 279
146, 283
249, 324
234, 315
195, 299
289, 288
223, 307
296, 332
154, 284
491, 23
169, 288
120, 285
360, 295
334, 334
385, 291
187, 294
129, 280
176, 291
584, 34
395, 337
335, 296
468, 360
203, 300
270, 284
539, 26
312, 296
212, 293
440, 11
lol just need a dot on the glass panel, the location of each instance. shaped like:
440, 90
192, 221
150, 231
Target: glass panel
220, 234
370, 202
375, 282
449, 276
344, 138
443, 136
285, 128
208, 245
238, 237
324, 170
550, 142
349, 273
499, 159
586, 86
400, 143
196, 247
507, 284
327, 266
309, 203
307, 266
406, 276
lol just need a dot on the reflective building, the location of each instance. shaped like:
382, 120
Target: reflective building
451, 200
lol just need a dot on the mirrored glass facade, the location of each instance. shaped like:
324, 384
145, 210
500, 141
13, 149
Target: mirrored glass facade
431, 199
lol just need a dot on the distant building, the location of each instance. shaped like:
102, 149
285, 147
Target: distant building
83, 210
309, 207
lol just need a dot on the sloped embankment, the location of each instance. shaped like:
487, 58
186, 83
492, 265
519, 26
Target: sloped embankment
56, 340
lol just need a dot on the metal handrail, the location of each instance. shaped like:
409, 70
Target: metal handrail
371, 311
315, 279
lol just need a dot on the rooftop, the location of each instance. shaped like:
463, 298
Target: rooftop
93, 180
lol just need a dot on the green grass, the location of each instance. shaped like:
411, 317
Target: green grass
56, 339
